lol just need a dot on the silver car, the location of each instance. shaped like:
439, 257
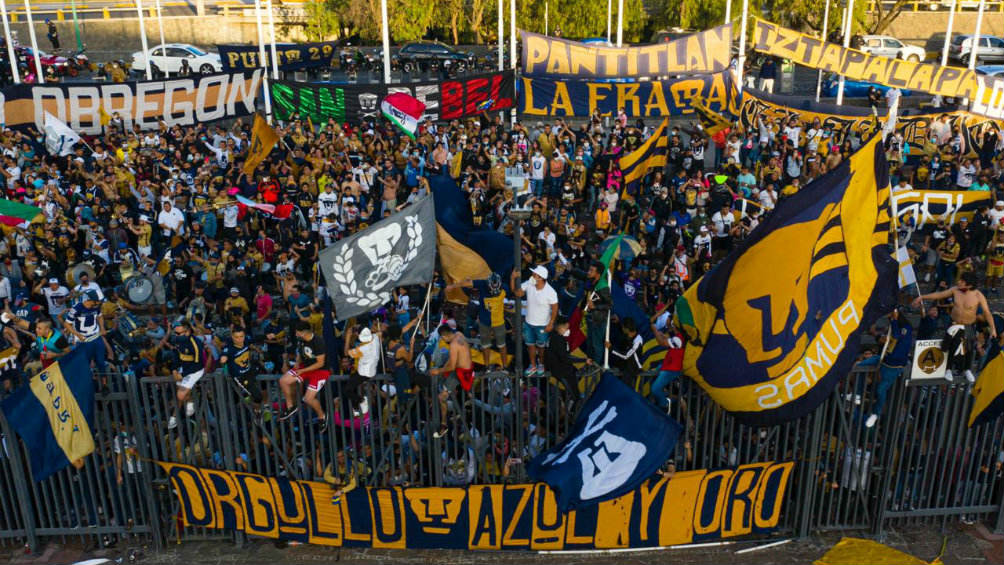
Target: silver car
990, 49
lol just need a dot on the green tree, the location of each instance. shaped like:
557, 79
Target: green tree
322, 20
808, 16
579, 19
409, 19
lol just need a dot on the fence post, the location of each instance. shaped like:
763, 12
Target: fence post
890, 446
27, 509
808, 473
225, 422
139, 432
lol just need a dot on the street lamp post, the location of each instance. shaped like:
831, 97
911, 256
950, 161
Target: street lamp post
518, 216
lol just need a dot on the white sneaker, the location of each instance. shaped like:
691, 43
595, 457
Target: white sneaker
970, 376
364, 406
190, 409
857, 400
172, 423
669, 405
927, 277
949, 375
870, 422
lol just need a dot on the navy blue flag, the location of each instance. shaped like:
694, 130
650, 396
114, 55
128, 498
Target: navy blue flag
618, 441
54, 413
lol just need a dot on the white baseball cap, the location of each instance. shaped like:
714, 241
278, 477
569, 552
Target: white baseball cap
365, 336
540, 271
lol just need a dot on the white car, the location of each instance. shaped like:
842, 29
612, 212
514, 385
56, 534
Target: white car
891, 47
167, 59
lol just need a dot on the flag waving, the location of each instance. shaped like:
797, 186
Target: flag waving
777, 324
619, 440
988, 392
59, 138
362, 270
404, 110
53, 414
263, 139
649, 155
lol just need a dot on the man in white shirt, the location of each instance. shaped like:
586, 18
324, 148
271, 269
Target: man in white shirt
171, 220
541, 311
86, 284
537, 166
996, 214
55, 297
328, 201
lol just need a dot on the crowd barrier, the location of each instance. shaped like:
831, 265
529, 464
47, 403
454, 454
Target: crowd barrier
919, 463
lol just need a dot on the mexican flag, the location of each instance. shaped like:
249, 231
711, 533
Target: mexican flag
404, 110
14, 213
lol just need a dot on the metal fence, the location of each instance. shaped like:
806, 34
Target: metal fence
919, 463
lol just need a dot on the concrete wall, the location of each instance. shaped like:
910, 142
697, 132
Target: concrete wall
120, 36
927, 29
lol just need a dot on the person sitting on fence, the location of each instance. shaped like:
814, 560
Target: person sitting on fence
190, 368
896, 356
311, 369
237, 360
968, 307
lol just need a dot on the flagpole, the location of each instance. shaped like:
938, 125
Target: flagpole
545, 19
948, 35
826, 27
610, 12
974, 50
271, 32
620, 22
501, 36
728, 11
261, 61
606, 350
385, 38
847, 43
10, 44
34, 42
742, 41
512, 50
142, 38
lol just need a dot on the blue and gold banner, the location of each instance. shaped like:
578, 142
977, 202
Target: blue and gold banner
642, 99
929, 206
774, 327
706, 51
690, 507
988, 392
649, 155
53, 414
291, 56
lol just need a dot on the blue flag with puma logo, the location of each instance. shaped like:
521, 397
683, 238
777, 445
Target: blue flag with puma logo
619, 440
774, 327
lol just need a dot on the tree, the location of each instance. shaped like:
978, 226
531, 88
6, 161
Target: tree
409, 19
883, 18
476, 18
580, 19
808, 16
322, 20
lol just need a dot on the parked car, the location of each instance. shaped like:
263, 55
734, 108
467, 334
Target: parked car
990, 49
888, 46
427, 54
853, 88
167, 59
991, 70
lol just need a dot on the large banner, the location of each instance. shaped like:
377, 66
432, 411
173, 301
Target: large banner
987, 93
702, 52
914, 125
445, 100
643, 99
929, 206
291, 56
692, 506
181, 101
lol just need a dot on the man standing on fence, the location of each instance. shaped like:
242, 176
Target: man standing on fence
541, 311
191, 367
311, 370
968, 307
459, 364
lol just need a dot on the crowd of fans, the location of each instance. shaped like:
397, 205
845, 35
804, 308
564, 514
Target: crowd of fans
184, 281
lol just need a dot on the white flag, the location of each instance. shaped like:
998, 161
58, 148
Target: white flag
906, 274
59, 138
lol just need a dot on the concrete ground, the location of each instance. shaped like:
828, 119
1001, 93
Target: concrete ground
964, 545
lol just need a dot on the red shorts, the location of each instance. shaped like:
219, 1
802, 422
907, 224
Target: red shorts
466, 378
315, 379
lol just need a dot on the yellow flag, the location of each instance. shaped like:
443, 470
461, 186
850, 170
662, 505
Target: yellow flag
103, 116
263, 139
710, 121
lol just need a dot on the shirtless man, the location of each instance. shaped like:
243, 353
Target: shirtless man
966, 301
459, 363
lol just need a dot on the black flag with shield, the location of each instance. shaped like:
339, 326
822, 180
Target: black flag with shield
362, 271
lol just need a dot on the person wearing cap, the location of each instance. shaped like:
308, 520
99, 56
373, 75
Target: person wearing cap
367, 358
541, 312
190, 368
702, 242
310, 370
236, 306
55, 296
87, 285
84, 322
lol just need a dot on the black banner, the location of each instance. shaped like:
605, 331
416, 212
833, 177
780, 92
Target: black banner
291, 56
444, 100
180, 101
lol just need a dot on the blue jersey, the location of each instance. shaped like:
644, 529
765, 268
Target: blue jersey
84, 320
